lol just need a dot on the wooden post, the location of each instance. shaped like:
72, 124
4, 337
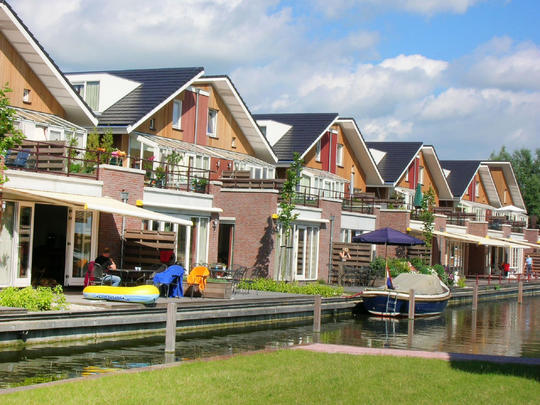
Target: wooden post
411, 304
475, 298
410, 332
317, 314
520, 292
489, 279
170, 332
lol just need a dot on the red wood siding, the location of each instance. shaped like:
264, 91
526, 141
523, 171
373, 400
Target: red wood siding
333, 154
188, 117
325, 151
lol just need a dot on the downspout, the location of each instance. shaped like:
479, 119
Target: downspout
197, 92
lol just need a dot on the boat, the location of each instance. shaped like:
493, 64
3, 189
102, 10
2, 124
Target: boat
430, 296
143, 294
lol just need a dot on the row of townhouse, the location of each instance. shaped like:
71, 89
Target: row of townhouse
191, 158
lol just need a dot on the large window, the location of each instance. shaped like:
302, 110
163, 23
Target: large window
199, 240
318, 152
25, 241
455, 253
307, 252
212, 122
421, 175
92, 95
177, 114
7, 234
82, 241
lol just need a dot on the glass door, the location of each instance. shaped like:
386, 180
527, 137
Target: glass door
7, 243
301, 253
81, 245
24, 244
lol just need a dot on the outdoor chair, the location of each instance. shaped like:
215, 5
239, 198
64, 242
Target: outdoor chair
96, 274
238, 275
197, 279
20, 160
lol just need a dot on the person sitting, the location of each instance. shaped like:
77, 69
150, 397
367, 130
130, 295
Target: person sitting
105, 260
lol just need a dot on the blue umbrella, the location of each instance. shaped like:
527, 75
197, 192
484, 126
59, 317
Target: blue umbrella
388, 236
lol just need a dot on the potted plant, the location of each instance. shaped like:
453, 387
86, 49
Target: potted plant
218, 288
161, 175
199, 185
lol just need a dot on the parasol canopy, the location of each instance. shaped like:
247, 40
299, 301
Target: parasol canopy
418, 196
388, 236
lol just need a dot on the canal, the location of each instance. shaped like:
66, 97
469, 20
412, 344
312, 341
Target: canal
499, 327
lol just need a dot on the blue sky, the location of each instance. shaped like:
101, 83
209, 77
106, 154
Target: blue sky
463, 75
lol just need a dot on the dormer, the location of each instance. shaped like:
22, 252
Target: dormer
378, 155
273, 130
101, 90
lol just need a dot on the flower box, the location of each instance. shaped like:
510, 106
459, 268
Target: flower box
218, 289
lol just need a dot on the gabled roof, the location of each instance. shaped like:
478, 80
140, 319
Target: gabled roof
511, 180
398, 157
240, 112
436, 172
306, 129
43, 66
461, 174
158, 87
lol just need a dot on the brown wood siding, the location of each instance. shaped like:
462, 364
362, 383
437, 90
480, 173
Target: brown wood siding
163, 122
428, 179
501, 185
227, 128
482, 197
19, 76
349, 160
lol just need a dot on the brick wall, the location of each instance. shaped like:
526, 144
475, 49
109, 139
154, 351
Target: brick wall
395, 219
254, 239
329, 209
506, 230
115, 179
477, 228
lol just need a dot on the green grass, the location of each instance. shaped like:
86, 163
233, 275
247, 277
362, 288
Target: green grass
289, 377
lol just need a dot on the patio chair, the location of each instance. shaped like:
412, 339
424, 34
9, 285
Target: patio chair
96, 274
238, 275
197, 278
19, 162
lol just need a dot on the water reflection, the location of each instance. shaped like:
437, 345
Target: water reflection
498, 327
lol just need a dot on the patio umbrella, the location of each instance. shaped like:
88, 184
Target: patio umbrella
418, 196
388, 236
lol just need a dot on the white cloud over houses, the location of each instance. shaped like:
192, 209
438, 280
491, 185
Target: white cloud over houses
465, 107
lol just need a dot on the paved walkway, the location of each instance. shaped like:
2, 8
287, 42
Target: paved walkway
355, 350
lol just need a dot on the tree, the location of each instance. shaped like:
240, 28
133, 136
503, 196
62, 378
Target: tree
10, 136
526, 165
286, 216
427, 216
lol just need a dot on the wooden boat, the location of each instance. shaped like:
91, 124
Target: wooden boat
431, 296
143, 294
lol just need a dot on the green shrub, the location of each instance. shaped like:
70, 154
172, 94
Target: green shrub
461, 282
265, 284
38, 299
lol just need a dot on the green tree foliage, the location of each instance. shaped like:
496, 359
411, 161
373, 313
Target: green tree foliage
286, 215
10, 136
98, 147
427, 216
526, 165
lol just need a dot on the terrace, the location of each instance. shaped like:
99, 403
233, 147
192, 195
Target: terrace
59, 158
496, 223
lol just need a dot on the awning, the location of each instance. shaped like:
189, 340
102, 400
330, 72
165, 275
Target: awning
102, 204
526, 245
479, 240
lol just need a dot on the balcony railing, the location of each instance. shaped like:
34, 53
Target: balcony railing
365, 202
55, 157
455, 217
496, 223
163, 174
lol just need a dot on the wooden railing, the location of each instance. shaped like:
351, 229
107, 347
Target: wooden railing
455, 217
55, 157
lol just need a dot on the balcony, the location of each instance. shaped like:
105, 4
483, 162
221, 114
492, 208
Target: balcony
56, 157
496, 223
173, 176
364, 203
453, 217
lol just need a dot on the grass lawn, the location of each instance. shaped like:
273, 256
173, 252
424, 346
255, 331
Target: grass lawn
295, 376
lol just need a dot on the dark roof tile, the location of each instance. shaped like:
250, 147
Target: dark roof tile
397, 158
157, 86
306, 128
461, 173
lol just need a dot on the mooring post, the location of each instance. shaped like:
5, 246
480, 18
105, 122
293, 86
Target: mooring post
475, 298
317, 314
489, 279
411, 304
520, 292
410, 332
170, 332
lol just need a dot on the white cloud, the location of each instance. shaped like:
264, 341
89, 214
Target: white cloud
502, 63
423, 7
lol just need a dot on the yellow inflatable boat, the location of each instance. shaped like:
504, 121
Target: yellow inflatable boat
143, 294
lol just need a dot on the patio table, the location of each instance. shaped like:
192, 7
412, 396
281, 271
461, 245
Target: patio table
132, 276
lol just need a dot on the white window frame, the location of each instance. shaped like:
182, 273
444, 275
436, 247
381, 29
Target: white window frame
56, 129
477, 189
421, 175
177, 108
27, 96
152, 124
212, 118
339, 154
318, 151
